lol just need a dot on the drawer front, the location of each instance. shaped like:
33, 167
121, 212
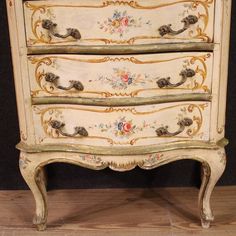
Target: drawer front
100, 22
120, 76
121, 126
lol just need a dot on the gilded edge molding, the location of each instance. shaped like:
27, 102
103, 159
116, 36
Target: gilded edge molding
141, 150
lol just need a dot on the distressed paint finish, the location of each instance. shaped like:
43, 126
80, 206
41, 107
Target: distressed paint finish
147, 130
121, 50
114, 102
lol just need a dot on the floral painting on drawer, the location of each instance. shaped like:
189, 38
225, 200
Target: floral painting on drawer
120, 76
103, 22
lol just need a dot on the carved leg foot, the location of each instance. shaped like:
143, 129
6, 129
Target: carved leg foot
213, 168
206, 223
35, 178
40, 226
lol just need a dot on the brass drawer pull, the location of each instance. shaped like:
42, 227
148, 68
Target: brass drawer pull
163, 131
52, 78
51, 27
189, 20
58, 125
165, 82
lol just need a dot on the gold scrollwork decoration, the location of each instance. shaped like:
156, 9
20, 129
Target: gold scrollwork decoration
49, 114
148, 162
50, 61
41, 37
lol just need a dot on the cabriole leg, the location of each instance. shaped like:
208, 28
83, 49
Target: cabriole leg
36, 180
212, 169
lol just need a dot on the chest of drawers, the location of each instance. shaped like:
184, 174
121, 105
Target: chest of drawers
120, 84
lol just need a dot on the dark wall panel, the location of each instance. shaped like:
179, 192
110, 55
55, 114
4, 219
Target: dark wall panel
183, 173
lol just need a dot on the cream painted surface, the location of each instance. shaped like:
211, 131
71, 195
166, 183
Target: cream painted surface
120, 76
118, 22
20, 68
122, 126
222, 52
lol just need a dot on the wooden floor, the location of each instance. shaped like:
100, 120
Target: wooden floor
119, 212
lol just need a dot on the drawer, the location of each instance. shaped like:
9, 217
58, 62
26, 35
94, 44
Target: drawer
100, 22
90, 76
121, 126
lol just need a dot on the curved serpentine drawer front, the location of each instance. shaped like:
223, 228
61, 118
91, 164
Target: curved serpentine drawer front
121, 126
118, 22
120, 76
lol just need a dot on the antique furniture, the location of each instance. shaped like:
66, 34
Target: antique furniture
120, 84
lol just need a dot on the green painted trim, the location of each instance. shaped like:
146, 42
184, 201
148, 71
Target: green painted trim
121, 49
223, 142
122, 101
118, 151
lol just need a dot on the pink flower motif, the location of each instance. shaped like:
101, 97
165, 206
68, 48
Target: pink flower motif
127, 127
125, 21
125, 77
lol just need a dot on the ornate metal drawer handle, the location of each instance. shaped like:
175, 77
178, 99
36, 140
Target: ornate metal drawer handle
58, 125
189, 20
163, 131
51, 27
52, 78
165, 82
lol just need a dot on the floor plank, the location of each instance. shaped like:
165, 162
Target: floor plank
125, 212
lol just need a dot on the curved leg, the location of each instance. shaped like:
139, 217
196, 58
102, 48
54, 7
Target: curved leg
212, 169
35, 178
